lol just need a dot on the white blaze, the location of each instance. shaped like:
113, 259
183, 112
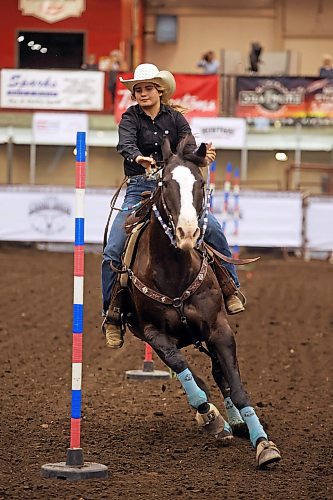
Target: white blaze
187, 216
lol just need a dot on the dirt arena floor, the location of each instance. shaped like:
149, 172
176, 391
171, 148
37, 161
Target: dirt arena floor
145, 431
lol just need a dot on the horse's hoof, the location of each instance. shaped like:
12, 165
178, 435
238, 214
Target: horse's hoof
267, 453
213, 423
240, 430
224, 438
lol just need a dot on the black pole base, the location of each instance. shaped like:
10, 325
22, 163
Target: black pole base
74, 469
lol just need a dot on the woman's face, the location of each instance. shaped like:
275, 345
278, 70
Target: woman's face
146, 95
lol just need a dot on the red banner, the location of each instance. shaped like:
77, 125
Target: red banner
197, 93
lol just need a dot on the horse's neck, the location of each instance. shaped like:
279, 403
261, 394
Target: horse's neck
163, 253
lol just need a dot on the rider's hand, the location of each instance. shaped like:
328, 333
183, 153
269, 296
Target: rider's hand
210, 153
147, 162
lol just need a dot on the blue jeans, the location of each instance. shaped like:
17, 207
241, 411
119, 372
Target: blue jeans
115, 246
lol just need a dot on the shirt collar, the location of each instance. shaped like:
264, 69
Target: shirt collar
163, 109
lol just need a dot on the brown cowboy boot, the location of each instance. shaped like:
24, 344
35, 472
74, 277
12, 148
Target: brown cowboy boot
234, 299
234, 303
112, 326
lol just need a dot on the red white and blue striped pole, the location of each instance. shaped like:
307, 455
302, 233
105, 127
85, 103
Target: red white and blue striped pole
80, 185
236, 192
226, 191
75, 468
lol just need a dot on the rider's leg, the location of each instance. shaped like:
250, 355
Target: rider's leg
113, 252
215, 237
110, 288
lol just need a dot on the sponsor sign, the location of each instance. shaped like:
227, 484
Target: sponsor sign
52, 89
226, 133
48, 213
267, 219
52, 11
58, 128
305, 98
197, 93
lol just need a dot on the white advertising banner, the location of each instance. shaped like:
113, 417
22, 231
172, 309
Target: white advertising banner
48, 214
319, 223
226, 133
58, 128
267, 219
52, 89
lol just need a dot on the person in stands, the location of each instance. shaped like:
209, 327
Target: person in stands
326, 70
209, 63
116, 64
142, 130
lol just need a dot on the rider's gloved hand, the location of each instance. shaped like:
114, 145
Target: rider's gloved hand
210, 153
147, 162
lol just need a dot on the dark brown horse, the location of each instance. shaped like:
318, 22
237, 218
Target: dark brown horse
176, 301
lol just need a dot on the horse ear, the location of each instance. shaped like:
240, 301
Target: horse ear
202, 150
166, 149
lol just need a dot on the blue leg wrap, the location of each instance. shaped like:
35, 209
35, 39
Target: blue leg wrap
253, 423
227, 427
195, 395
234, 417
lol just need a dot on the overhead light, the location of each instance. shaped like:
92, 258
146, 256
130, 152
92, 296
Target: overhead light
36, 46
280, 156
20, 38
43, 50
31, 43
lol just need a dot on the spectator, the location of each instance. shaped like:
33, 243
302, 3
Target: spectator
254, 57
90, 63
326, 71
117, 64
209, 63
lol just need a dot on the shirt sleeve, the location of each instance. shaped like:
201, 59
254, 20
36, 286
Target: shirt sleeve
127, 130
183, 127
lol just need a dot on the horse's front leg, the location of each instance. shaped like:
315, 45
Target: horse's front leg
235, 420
207, 415
222, 342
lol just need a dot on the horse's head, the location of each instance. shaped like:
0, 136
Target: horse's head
183, 194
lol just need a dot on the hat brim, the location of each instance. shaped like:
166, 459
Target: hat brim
164, 80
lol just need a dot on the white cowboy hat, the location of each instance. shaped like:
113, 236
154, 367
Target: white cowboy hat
164, 80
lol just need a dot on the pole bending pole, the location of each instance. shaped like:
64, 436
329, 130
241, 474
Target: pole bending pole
75, 468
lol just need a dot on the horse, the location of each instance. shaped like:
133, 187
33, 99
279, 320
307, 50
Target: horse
174, 298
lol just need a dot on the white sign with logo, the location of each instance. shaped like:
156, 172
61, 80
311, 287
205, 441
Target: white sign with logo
52, 89
58, 128
52, 11
224, 133
267, 219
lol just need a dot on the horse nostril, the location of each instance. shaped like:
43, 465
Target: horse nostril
196, 234
180, 233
